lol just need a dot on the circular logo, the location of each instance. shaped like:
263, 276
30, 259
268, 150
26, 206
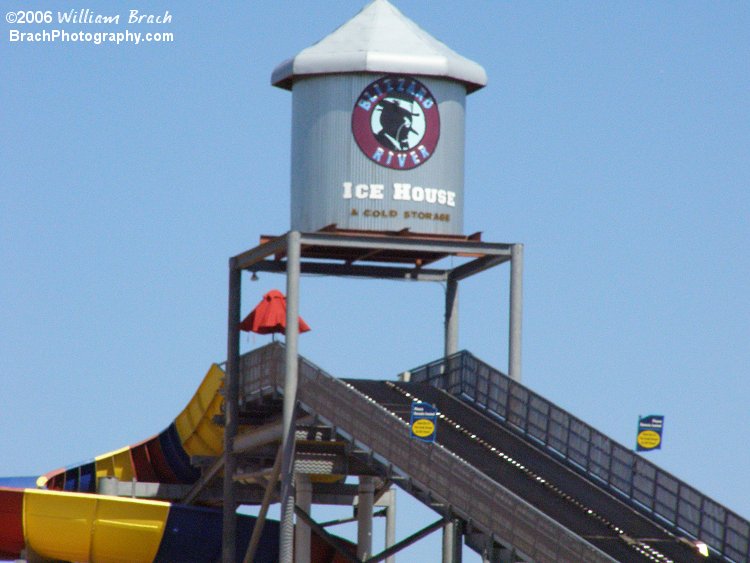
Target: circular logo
396, 122
423, 428
648, 439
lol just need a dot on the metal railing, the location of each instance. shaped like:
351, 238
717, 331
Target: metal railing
651, 490
468, 493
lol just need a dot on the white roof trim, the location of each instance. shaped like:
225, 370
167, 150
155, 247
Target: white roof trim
380, 39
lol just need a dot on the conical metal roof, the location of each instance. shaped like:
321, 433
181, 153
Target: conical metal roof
380, 39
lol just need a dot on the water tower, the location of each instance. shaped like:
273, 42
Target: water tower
378, 112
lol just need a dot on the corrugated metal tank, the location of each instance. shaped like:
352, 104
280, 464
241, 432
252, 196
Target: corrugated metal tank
341, 176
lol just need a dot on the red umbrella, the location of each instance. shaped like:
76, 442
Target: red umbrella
269, 316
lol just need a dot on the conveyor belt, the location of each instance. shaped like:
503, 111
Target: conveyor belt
537, 478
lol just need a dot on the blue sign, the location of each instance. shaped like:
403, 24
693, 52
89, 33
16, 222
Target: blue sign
649, 433
423, 422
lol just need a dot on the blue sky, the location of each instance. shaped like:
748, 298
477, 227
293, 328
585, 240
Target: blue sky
612, 140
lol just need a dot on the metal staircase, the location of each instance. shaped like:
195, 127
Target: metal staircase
526, 480
627, 477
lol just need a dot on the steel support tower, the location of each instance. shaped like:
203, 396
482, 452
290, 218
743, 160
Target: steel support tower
391, 255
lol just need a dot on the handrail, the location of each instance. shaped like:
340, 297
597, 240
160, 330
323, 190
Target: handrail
648, 488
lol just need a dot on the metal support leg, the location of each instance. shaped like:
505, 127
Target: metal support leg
504, 555
516, 310
494, 553
231, 408
451, 318
273, 479
452, 542
451, 333
451, 346
449, 538
390, 524
364, 517
286, 536
302, 530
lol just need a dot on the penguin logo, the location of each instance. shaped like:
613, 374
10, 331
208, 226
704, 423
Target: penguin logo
396, 122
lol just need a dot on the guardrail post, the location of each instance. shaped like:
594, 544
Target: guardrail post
462, 372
